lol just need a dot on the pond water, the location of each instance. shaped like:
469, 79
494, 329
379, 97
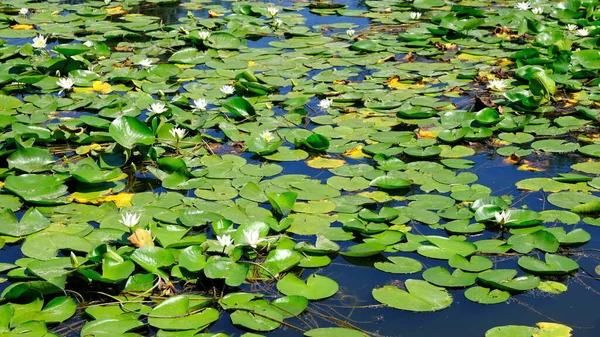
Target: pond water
355, 133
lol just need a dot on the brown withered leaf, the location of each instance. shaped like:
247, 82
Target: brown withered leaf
410, 57
124, 48
141, 238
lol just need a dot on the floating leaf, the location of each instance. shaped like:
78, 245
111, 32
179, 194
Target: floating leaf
418, 296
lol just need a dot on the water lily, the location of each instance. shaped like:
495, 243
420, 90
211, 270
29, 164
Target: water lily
572, 27
523, 6
88, 44
145, 63
157, 108
200, 104
497, 85
324, 104
130, 219
277, 22
66, 83
225, 240
24, 11
272, 10
39, 42
537, 10
583, 32
415, 15
252, 238
107, 1
178, 133
266, 135
227, 89
204, 34
503, 217
350, 32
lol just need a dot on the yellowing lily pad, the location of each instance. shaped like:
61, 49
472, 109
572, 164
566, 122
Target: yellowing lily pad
321, 162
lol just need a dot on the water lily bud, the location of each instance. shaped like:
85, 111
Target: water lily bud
74, 262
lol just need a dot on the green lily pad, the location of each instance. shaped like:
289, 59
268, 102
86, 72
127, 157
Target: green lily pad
504, 279
419, 296
554, 265
316, 287
486, 296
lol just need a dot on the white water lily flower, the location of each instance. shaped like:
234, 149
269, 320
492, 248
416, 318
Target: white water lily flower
39, 42
227, 89
88, 44
503, 217
497, 85
266, 135
572, 27
523, 6
157, 108
130, 219
583, 32
350, 32
252, 238
415, 15
272, 10
204, 34
24, 11
324, 104
65, 83
200, 104
178, 133
145, 63
225, 240
277, 22
107, 1
537, 10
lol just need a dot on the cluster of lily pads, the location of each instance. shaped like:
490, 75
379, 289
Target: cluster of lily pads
157, 168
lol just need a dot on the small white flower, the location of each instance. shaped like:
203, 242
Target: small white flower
157, 108
200, 104
88, 44
572, 27
272, 10
497, 85
266, 135
107, 2
350, 32
227, 89
252, 238
523, 6
503, 218
537, 10
415, 15
130, 219
204, 34
324, 104
65, 83
277, 22
24, 11
178, 133
583, 32
145, 63
39, 42
225, 240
